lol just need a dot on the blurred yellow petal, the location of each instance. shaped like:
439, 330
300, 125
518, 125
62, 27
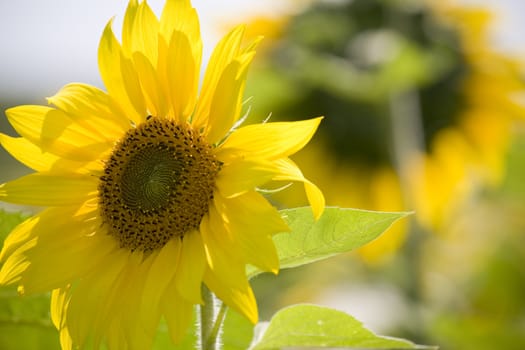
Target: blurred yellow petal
385, 194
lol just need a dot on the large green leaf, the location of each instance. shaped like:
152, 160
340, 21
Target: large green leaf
339, 230
316, 326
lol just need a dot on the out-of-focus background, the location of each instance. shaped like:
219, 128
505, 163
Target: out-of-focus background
424, 105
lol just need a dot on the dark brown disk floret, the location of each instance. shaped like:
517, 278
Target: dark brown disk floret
157, 184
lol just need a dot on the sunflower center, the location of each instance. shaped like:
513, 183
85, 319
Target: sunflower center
157, 184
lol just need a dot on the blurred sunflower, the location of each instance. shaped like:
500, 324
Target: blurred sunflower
150, 187
418, 106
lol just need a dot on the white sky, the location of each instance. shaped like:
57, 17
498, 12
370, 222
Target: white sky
48, 43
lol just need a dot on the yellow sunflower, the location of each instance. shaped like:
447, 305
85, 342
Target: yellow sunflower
149, 189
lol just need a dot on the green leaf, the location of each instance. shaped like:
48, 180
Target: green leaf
339, 230
316, 326
237, 332
25, 322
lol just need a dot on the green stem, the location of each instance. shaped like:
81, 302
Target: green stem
210, 320
213, 337
408, 145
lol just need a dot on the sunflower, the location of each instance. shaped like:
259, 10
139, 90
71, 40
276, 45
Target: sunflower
148, 189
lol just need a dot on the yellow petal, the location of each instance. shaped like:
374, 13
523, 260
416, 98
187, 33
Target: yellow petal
120, 78
220, 248
127, 27
289, 171
57, 251
177, 312
49, 190
33, 157
253, 221
53, 131
145, 33
118, 316
15, 266
60, 259
241, 176
180, 54
179, 15
241, 299
151, 86
139, 324
25, 233
89, 302
59, 303
226, 275
271, 140
115, 335
159, 276
192, 263
182, 76
21, 234
93, 107
223, 54
226, 103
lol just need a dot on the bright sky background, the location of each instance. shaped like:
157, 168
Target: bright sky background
48, 43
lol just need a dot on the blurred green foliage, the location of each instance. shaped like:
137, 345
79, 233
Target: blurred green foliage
348, 60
